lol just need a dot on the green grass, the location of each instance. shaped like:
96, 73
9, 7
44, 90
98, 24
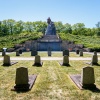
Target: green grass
44, 54
52, 83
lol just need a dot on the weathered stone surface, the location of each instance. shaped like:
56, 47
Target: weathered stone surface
37, 61
86, 80
87, 77
95, 53
65, 60
77, 51
49, 52
23, 81
20, 51
81, 53
94, 60
65, 52
6, 60
3, 53
34, 53
21, 76
17, 53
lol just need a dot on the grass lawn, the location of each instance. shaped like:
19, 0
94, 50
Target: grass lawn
44, 54
52, 83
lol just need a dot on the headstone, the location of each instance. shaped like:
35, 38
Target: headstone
66, 52
17, 53
37, 61
7, 62
3, 53
87, 78
20, 51
77, 51
81, 53
95, 53
65, 60
34, 53
94, 60
49, 52
22, 79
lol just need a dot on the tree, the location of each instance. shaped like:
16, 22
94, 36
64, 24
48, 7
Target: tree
98, 27
67, 28
19, 27
78, 29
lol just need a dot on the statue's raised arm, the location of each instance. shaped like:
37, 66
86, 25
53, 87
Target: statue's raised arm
51, 30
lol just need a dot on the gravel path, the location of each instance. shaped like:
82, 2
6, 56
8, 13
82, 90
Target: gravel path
48, 58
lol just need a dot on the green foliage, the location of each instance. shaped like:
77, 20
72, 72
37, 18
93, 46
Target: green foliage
88, 41
10, 40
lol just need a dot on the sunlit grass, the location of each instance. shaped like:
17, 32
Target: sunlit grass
52, 83
53, 54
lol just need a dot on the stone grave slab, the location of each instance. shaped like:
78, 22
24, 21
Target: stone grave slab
81, 53
65, 61
94, 60
17, 53
34, 53
85, 80
65, 52
49, 52
7, 62
3, 53
20, 51
37, 61
23, 81
77, 51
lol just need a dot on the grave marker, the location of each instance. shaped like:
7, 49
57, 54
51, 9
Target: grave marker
20, 51
81, 53
94, 60
34, 53
3, 53
23, 81
65, 61
87, 78
49, 52
77, 51
66, 52
37, 61
7, 62
17, 53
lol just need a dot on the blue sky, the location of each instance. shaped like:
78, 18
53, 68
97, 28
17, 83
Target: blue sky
66, 11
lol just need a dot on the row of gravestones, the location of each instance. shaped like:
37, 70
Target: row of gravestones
17, 53
89, 84
34, 52
65, 57
24, 82
65, 62
80, 52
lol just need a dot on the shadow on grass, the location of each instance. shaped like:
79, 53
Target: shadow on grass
96, 90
